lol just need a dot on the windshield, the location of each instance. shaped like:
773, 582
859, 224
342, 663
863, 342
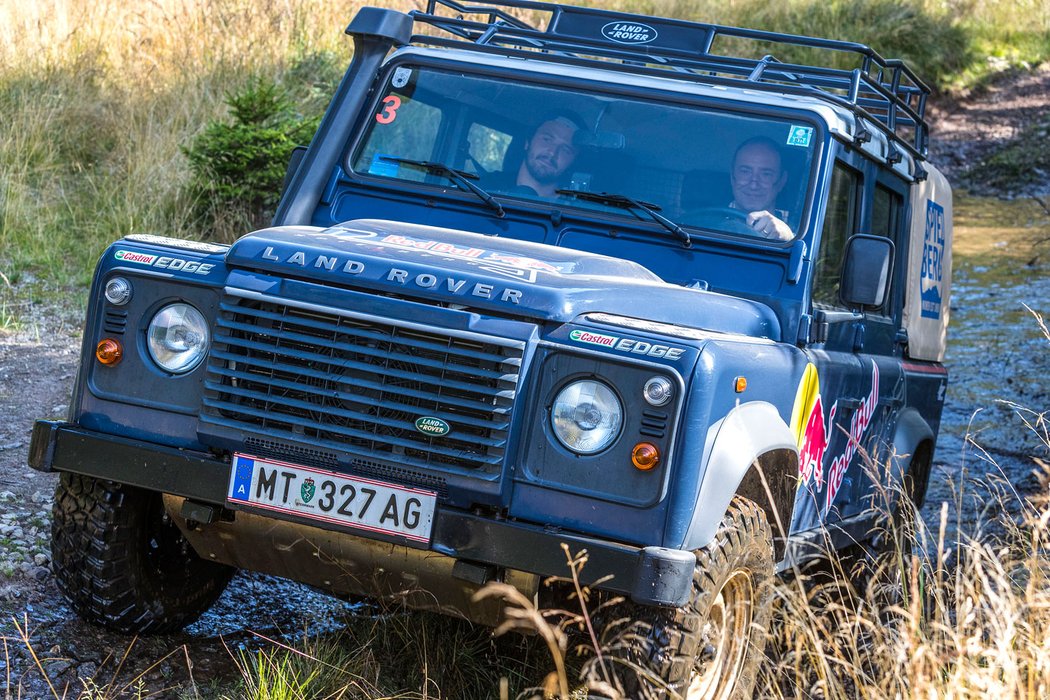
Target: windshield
698, 167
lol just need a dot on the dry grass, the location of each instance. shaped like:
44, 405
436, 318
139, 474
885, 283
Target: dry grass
950, 615
98, 98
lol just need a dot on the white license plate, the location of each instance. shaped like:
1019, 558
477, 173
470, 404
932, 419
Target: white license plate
325, 496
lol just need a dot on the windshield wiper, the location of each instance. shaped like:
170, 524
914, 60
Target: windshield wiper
461, 178
625, 202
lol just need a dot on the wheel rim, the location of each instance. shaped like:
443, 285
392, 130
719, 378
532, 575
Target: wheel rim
725, 640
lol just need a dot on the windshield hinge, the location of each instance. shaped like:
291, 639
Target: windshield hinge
798, 252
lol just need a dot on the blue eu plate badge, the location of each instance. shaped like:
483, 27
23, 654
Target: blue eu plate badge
240, 489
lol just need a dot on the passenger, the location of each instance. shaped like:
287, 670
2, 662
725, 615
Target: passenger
549, 153
757, 178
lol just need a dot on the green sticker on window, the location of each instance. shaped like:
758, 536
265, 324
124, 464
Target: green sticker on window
800, 136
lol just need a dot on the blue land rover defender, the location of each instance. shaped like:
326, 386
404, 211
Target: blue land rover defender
547, 277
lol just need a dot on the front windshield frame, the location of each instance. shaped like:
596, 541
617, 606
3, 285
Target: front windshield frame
617, 217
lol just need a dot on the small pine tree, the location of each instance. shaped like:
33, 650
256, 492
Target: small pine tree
238, 167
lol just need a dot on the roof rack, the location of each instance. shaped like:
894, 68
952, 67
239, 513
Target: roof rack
884, 91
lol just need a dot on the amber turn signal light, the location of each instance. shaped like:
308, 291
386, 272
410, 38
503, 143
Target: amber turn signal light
645, 456
109, 351
740, 384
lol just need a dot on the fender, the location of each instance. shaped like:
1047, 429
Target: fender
911, 432
752, 433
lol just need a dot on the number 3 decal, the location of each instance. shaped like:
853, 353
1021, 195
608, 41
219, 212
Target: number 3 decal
391, 103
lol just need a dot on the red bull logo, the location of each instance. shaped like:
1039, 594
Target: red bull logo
814, 434
520, 262
433, 247
858, 426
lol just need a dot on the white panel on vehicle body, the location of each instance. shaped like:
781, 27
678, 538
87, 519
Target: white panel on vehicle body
929, 267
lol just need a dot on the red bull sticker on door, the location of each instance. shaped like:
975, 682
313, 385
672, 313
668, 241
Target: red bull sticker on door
814, 432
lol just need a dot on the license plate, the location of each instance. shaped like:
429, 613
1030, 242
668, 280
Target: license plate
324, 496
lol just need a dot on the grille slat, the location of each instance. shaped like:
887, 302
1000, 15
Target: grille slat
360, 383
403, 460
341, 431
373, 353
294, 353
241, 361
365, 333
364, 418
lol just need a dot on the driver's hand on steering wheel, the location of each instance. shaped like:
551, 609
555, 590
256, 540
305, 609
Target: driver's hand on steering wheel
769, 226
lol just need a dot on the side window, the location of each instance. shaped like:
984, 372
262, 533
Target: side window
488, 148
839, 223
886, 210
886, 213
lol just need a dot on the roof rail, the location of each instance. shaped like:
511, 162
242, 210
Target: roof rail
885, 91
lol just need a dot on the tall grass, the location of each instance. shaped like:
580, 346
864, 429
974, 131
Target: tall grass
98, 98
968, 618
946, 616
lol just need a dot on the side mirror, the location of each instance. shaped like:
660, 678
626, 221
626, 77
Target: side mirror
866, 271
298, 153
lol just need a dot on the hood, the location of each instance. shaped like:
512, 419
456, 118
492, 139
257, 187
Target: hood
508, 276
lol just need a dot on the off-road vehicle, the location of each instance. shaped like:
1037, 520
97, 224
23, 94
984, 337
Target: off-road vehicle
545, 276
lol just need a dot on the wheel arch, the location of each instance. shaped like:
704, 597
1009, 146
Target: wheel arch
751, 452
912, 454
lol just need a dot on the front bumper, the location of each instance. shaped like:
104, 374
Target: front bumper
648, 575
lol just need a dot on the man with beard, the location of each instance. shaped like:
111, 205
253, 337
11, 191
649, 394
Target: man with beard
757, 178
549, 153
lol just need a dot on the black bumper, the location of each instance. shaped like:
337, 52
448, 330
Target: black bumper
649, 575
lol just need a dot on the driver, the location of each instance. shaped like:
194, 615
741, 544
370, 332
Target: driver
757, 178
549, 153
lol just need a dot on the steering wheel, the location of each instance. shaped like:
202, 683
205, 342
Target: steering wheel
728, 212
723, 218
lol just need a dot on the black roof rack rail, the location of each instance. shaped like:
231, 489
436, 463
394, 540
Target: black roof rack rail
885, 91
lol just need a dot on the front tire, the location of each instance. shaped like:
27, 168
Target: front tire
122, 563
710, 648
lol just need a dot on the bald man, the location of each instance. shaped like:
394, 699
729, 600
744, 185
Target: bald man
757, 178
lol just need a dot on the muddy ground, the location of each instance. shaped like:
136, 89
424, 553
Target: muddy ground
997, 352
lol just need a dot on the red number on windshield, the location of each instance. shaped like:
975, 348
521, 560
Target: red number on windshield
391, 104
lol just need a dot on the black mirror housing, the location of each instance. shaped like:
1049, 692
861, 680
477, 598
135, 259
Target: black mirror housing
866, 271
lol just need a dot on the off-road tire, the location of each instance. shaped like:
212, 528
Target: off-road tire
654, 653
122, 563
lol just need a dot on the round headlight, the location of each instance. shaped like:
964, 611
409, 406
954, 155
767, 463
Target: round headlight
178, 338
586, 416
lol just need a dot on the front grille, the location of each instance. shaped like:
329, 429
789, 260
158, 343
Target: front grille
359, 383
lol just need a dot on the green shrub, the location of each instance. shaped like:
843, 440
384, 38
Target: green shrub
238, 167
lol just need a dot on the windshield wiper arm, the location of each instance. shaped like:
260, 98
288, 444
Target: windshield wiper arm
625, 202
461, 178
